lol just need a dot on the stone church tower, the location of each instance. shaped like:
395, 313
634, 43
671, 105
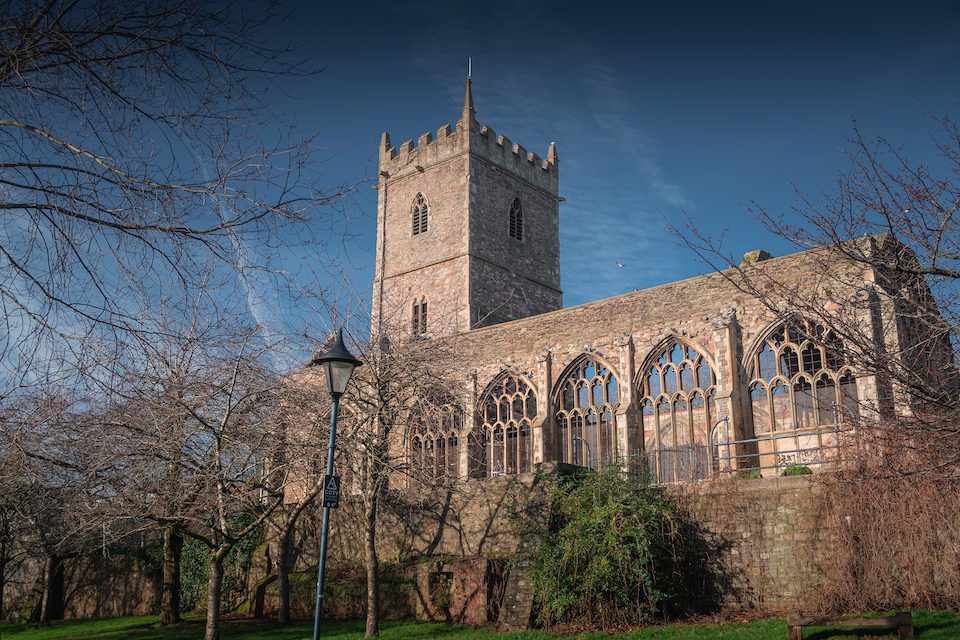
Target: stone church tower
467, 231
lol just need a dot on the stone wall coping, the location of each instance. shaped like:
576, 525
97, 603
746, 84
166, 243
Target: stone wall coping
747, 485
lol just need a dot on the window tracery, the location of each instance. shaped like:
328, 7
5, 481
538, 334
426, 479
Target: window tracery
516, 220
434, 443
800, 380
418, 214
587, 398
503, 439
678, 409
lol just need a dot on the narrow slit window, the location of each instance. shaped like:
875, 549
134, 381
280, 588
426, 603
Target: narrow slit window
419, 317
516, 220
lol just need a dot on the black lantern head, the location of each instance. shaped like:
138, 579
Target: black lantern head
339, 365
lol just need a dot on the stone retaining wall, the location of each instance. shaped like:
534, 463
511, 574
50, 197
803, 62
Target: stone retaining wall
771, 540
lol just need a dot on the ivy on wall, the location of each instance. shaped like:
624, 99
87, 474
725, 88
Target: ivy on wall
236, 567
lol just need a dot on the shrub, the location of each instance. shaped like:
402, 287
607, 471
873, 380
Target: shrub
797, 470
611, 555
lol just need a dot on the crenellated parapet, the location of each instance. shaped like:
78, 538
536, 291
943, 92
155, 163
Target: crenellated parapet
430, 148
514, 158
468, 136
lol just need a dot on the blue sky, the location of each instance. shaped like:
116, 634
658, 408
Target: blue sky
656, 110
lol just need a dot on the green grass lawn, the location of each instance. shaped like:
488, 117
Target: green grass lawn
928, 626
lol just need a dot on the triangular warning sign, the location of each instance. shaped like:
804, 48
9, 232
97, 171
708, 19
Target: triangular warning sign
331, 491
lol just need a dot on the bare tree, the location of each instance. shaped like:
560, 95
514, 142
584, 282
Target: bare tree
888, 232
195, 446
303, 413
134, 153
138, 176
50, 501
285, 528
398, 375
14, 525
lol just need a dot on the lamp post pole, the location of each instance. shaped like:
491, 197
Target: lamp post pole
339, 365
331, 444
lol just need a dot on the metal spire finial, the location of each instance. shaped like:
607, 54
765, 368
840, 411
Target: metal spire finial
468, 109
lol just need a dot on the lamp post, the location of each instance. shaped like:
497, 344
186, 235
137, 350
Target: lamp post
339, 365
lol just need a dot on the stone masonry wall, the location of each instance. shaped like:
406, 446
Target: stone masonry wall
771, 541
94, 586
467, 531
500, 294
767, 538
511, 278
708, 313
431, 264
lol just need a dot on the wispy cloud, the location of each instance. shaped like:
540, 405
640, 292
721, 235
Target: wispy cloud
615, 190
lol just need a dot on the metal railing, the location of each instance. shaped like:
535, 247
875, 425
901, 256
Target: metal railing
815, 446
690, 462
766, 455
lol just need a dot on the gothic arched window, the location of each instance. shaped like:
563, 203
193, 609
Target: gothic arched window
516, 220
418, 213
677, 388
419, 317
434, 440
587, 397
503, 443
800, 380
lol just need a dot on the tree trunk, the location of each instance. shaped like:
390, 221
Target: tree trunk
214, 588
373, 569
170, 591
4, 532
284, 552
51, 607
3, 582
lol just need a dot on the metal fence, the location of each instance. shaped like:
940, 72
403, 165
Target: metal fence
771, 454
766, 455
686, 463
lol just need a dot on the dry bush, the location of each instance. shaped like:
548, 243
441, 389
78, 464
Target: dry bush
897, 542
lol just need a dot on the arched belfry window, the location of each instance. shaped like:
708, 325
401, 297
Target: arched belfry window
433, 444
586, 397
418, 213
516, 220
677, 390
418, 317
503, 440
800, 379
